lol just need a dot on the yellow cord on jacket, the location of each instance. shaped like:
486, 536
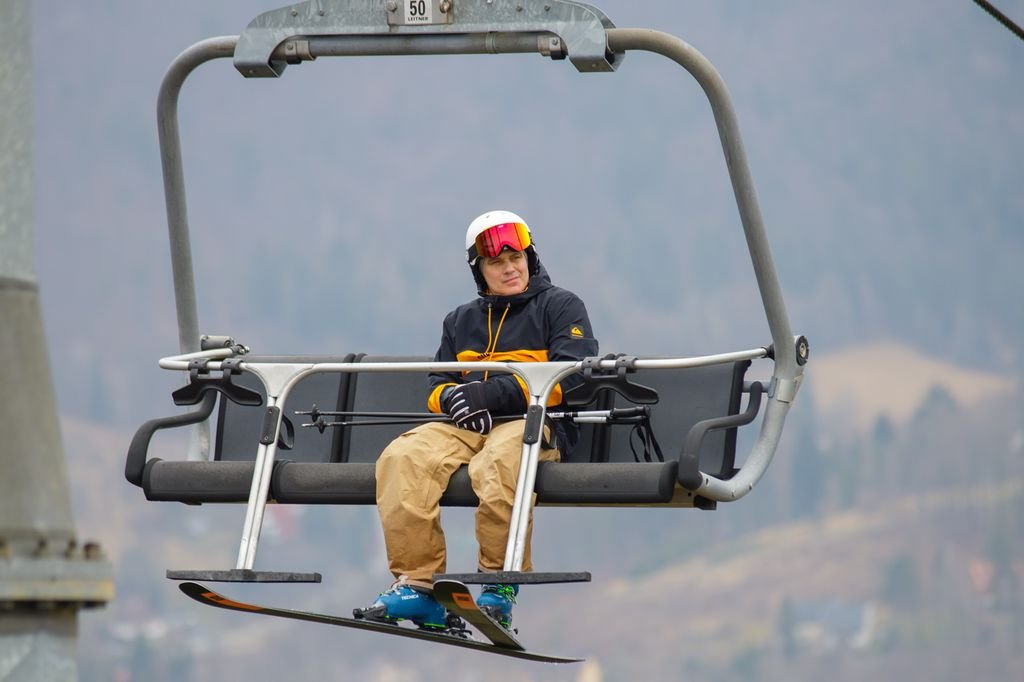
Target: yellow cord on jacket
491, 347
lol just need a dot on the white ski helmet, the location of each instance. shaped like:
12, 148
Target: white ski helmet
492, 232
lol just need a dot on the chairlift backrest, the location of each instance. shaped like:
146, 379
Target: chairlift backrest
238, 426
687, 396
383, 392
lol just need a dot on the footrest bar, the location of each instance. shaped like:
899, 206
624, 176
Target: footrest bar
515, 577
241, 575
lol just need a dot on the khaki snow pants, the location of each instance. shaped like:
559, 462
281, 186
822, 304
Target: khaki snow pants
412, 474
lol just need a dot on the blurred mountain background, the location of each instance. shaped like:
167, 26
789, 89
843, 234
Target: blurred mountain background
327, 211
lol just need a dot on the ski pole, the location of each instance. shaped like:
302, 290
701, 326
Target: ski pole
622, 415
316, 413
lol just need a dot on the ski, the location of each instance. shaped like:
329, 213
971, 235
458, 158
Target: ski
205, 595
457, 598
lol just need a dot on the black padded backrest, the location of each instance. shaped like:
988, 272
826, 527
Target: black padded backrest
238, 426
383, 392
406, 392
686, 396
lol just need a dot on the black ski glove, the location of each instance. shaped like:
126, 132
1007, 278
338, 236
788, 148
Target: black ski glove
466, 404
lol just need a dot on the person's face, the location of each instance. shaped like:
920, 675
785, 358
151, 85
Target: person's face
506, 274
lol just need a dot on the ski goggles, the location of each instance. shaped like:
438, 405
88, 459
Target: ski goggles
494, 240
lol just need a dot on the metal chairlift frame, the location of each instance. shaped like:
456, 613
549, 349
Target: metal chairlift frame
557, 29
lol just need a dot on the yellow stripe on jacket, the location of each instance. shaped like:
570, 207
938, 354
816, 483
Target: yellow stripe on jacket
434, 400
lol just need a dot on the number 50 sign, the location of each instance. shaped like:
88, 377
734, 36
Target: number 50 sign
418, 12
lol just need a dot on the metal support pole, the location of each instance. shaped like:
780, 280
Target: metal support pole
545, 376
788, 369
278, 380
177, 212
45, 576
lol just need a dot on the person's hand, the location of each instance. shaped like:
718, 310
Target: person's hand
466, 405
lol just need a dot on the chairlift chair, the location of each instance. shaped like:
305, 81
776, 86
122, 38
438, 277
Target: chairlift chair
699, 396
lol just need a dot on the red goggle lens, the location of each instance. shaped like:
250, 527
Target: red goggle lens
494, 240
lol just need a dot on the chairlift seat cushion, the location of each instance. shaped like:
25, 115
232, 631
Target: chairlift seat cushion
197, 482
557, 483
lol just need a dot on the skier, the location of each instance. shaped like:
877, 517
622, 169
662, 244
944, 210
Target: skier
518, 316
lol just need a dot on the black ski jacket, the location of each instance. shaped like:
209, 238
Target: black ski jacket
544, 323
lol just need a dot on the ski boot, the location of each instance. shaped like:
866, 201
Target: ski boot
403, 602
497, 602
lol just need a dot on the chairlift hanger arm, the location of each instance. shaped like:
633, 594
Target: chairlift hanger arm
556, 28
169, 136
349, 21
417, 40
621, 39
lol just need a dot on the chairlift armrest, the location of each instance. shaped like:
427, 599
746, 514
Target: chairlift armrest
200, 385
135, 463
690, 476
596, 380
